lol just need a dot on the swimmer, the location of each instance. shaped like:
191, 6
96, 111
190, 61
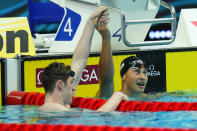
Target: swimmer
134, 76
133, 70
58, 84
60, 81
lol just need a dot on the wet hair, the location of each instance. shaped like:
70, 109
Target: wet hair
130, 62
54, 72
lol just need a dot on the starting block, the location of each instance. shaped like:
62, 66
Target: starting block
187, 29
127, 17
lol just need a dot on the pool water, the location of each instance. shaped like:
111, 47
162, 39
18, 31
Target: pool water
178, 96
31, 115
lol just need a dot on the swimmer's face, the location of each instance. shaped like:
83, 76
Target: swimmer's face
67, 92
136, 80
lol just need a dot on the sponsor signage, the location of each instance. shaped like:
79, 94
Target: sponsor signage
15, 37
89, 76
155, 62
39, 72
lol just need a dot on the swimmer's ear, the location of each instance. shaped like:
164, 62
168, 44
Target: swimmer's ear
59, 84
124, 78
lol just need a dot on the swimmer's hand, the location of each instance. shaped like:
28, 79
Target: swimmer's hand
99, 13
120, 95
101, 25
113, 102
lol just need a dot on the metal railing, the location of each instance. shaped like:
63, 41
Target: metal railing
125, 23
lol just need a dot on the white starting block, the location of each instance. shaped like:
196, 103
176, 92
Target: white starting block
187, 29
123, 16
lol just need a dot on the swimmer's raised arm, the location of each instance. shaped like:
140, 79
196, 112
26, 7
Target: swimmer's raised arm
106, 66
82, 50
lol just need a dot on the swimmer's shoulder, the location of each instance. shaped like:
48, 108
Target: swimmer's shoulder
53, 107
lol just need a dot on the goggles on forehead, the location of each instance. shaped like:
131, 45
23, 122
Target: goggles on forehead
131, 64
136, 64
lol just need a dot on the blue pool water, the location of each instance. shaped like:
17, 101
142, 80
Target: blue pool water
31, 115
169, 97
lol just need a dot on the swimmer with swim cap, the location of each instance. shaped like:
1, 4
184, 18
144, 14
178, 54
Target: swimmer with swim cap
133, 72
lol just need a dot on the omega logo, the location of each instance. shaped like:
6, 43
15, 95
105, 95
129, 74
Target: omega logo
89, 76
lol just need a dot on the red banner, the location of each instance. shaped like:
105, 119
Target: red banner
90, 75
39, 72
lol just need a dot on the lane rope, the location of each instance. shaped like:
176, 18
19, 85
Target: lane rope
35, 98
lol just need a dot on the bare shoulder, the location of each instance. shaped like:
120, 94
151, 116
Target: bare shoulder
53, 107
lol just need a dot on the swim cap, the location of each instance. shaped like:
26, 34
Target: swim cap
130, 62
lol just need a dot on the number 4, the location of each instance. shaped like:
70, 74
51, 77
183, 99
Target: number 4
67, 27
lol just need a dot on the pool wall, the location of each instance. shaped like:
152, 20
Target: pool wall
169, 70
